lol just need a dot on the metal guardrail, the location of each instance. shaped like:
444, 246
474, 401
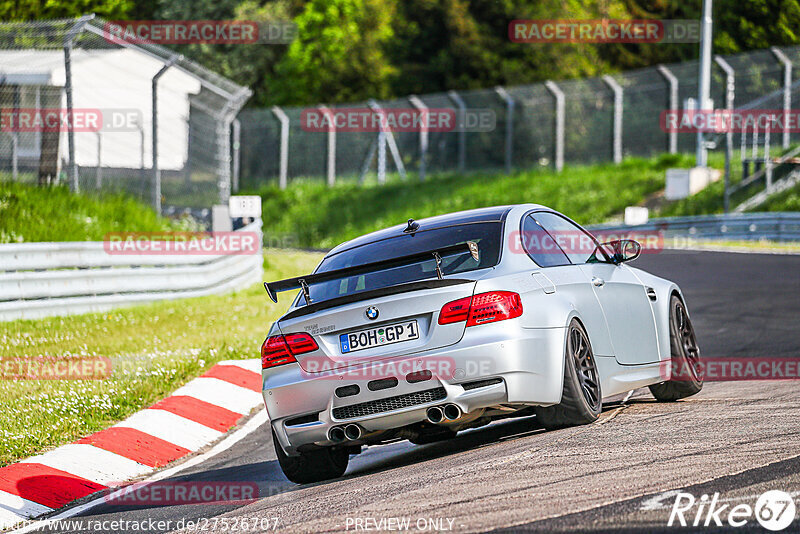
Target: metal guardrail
745, 226
46, 279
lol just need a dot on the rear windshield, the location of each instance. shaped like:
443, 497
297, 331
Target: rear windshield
487, 235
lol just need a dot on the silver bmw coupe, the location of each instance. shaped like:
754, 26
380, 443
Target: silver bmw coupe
439, 325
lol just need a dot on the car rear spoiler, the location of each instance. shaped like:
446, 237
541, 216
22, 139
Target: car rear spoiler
303, 282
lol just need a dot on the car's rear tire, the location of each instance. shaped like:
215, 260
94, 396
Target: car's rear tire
581, 400
685, 357
312, 466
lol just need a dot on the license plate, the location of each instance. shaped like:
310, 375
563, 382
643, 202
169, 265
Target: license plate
379, 336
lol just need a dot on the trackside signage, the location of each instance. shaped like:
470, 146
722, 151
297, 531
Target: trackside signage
182, 243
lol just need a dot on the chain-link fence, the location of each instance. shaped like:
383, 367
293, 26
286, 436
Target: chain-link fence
573, 121
82, 106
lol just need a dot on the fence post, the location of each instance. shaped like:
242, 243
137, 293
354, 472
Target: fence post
559, 132
98, 175
730, 93
672, 81
386, 137
787, 91
617, 142
156, 172
502, 93
284, 155
15, 138
767, 160
331, 167
423, 132
68, 41
462, 132
237, 137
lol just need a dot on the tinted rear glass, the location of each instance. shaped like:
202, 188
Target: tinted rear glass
488, 236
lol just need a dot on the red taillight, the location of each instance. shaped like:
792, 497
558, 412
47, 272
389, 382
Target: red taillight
454, 312
494, 306
482, 308
280, 350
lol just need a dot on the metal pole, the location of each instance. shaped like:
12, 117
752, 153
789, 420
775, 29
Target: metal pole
381, 157
386, 138
423, 133
98, 175
462, 132
68, 41
559, 132
767, 160
284, 155
331, 170
156, 192
237, 138
672, 80
502, 93
787, 92
15, 138
704, 78
618, 93
730, 93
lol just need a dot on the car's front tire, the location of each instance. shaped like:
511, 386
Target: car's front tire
685, 357
581, 400
312, 466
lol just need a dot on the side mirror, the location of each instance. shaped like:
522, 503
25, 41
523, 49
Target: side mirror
622, 250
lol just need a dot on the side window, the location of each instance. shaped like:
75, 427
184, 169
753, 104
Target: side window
540, 246
576, 243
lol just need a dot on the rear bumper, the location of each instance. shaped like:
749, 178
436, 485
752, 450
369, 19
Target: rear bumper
529, 362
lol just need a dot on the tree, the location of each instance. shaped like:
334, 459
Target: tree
339, 54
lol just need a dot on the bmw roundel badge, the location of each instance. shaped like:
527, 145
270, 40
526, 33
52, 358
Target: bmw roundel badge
372, 313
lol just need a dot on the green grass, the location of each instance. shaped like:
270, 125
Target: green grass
154, 349
786, 201
316, 216
29, 213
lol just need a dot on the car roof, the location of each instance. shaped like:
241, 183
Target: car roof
495, 213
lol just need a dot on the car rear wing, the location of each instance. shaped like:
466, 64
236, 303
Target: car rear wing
303, 282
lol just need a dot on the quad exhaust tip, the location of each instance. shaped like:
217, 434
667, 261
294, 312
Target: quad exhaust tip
451, 412
336, 434
435, 414
448, 412
352, 432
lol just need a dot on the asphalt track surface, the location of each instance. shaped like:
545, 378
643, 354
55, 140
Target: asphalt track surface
735, 438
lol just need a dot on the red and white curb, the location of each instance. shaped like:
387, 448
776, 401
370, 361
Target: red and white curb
195, 415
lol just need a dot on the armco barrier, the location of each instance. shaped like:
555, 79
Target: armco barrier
45, 279
745, 226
